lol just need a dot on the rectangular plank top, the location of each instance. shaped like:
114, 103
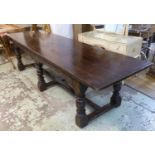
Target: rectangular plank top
92, 66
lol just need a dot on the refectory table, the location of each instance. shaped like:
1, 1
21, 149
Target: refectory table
84, 65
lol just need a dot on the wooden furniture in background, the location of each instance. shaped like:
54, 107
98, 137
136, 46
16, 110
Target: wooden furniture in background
126, 45
8, 27
80, 28
11, 28
85, 66
142, 30
45, 27
34, 27
146, 32
5, 45
6, 49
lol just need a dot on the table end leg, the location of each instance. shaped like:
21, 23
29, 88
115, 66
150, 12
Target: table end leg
81, 118
116, 98
20, 64
41, 81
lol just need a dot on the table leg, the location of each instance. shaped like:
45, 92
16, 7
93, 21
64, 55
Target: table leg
81, 117
116, 98
41, 81
19, 59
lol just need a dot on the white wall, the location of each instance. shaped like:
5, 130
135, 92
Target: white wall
65, 30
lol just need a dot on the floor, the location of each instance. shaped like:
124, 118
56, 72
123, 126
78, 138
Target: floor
24, 107
143, 82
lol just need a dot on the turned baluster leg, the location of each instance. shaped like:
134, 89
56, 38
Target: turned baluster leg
41, 81
19, 59
81, 118
116, 98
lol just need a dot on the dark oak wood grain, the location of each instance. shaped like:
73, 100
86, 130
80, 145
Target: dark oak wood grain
94, 67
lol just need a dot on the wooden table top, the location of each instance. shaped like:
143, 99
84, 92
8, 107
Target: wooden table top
92, 66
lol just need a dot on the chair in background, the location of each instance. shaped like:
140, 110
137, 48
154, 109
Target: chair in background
147, 32
4, 43
45, 27
6, 46
144, 31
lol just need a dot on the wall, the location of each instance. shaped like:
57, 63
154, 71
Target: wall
65, 30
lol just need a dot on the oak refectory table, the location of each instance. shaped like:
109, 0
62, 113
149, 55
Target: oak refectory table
84, 65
